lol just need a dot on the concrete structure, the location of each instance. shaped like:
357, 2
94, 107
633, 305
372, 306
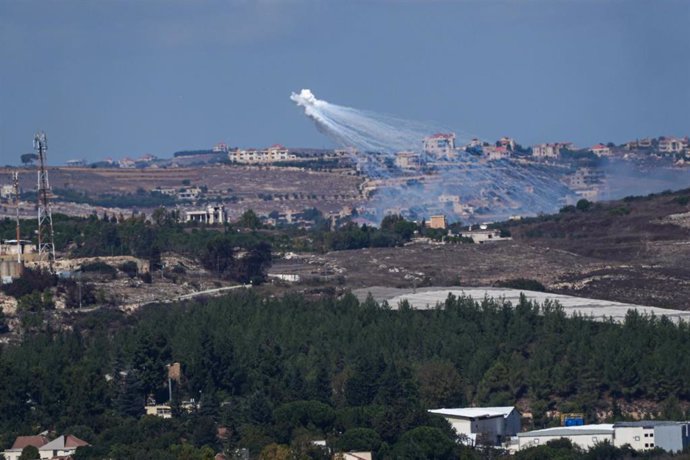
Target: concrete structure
507, 142
645, 435
483, 425
551, 150
546, 150
483, 235
601, 150
213, 214
672, 144
496, 153
437, 222
584, 436
159, 410
189, 193
272, 154
598, 310
440, 145
407, 160
353, 456
7, 191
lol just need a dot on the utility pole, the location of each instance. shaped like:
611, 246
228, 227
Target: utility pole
15, 182
46, 244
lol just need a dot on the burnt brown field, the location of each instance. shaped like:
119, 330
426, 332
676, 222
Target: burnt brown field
635, 251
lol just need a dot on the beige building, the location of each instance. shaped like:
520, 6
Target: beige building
353, 456
437, 222
672, 144
440, 145
546, 150
407, 160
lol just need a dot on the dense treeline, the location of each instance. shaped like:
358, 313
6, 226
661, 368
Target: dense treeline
277, 373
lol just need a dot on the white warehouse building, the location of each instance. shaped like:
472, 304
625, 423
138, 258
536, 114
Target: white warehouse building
642, 435
492, 425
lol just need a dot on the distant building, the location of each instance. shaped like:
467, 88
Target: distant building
440, 145
159, 410
551, 150
642, 435
7, 191
407, 160
496, 153
483, 425
601, 150
220, 148
60, 447
437, 222
646, 435
672, 144
189, 193
353, 456
272, 154
211, 215
507, 142
483, 234
75, 163
583, 436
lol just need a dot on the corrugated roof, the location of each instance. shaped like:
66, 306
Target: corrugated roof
601, 428
475, 412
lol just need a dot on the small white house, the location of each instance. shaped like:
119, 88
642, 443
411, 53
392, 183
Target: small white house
492, 425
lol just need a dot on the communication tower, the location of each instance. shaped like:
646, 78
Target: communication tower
46, 244
15, 183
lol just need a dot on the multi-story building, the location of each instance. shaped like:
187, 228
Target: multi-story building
483, 425
546, 150
672, 144
440, 145
272, 154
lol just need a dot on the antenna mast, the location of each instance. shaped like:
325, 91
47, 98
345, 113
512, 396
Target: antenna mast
46, 245
15, 182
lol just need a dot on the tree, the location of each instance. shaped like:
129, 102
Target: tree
252, 267
218, 255
130, 401
249, 220
583, 204
363, 439
424, 442
28, 158
29, 453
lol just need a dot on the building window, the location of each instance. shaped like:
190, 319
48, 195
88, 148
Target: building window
646, 445
651, 444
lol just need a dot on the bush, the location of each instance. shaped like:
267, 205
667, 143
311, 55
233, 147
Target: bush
522, 283
130, 268
99, 267
682, 200
31, 281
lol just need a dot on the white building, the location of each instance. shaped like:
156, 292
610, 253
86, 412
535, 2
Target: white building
272, 154
213, 214
601, 150
584, 436
483, 235
645, 435
440, 145
672, 144
491, 425
62, 446
496, 153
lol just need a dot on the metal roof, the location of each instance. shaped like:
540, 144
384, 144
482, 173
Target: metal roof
475, 412
581, 430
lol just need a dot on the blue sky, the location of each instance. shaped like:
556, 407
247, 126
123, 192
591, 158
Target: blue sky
125, 78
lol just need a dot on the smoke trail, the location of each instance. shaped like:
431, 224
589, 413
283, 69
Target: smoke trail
366, 131
488, 189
